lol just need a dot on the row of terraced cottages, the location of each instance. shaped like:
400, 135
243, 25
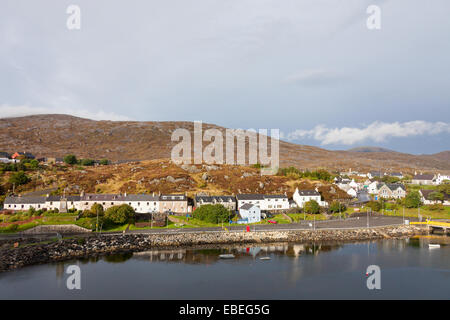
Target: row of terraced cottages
146, 203
141, 203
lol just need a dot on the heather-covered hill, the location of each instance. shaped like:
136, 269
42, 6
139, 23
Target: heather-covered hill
58, 135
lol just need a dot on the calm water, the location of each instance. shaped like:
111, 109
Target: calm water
409, 269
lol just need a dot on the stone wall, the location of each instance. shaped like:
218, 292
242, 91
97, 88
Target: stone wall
18, 253
64, 228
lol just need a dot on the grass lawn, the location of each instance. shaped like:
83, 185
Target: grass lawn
298, 217
424, 211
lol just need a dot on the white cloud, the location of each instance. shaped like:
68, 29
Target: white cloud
7, 111
376, 131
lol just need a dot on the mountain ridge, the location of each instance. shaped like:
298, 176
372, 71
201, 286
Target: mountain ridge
56, 135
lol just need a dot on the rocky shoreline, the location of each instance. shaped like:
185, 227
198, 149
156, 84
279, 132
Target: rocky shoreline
19, 253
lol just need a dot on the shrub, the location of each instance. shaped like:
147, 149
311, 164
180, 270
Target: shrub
412, 199
19, 178
374, 205
312, 207
336, 206
119, 214
70, 159
12, 228
104, 162
436, 207
87, 162
212, 213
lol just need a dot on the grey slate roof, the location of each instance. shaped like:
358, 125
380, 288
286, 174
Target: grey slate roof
102, 197
250, 196
173, 197
308, 193
57, 198
140, 197
210, 199
275, 196
24, 200
246, 206
423, 177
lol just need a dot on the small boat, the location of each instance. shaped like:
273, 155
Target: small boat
433, 246
265, 258
226, 256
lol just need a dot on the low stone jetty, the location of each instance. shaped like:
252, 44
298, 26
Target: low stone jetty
18, 253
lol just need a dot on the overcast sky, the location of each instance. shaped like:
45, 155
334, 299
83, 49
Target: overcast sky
311, 68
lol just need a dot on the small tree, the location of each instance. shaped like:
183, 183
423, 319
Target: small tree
336, 206
70, 159
212, 213
19, 178
104, 162
87, 162
412, 199
374, 205
312, 207
119, 214
436, 196
97, 209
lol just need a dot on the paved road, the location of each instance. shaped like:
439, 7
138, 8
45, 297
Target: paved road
361, 222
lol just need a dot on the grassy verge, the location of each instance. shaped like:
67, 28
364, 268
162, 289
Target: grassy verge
424, 211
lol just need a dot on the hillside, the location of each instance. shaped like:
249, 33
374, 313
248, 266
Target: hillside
163, 176
58, 135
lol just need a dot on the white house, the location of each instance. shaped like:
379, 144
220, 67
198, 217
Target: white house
249, 213
353, 184
275, 202
24, 203
373, 188
352, 192
441, 178
142, 203
265, 202
423, 179
62, 203
303, 196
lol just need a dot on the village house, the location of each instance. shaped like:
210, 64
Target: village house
375, 174
426, 199
106, 200
423, 179
441, 178
249, 213
62, 203
228, 202
22, 155
372, 188
391, 190
24, 203
303, 196
142, 203
265, 202
175, 203
397, 175
352, 192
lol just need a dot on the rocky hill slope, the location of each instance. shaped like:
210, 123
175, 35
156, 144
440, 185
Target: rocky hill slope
58, 135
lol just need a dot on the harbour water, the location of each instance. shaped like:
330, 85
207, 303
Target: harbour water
409, 270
